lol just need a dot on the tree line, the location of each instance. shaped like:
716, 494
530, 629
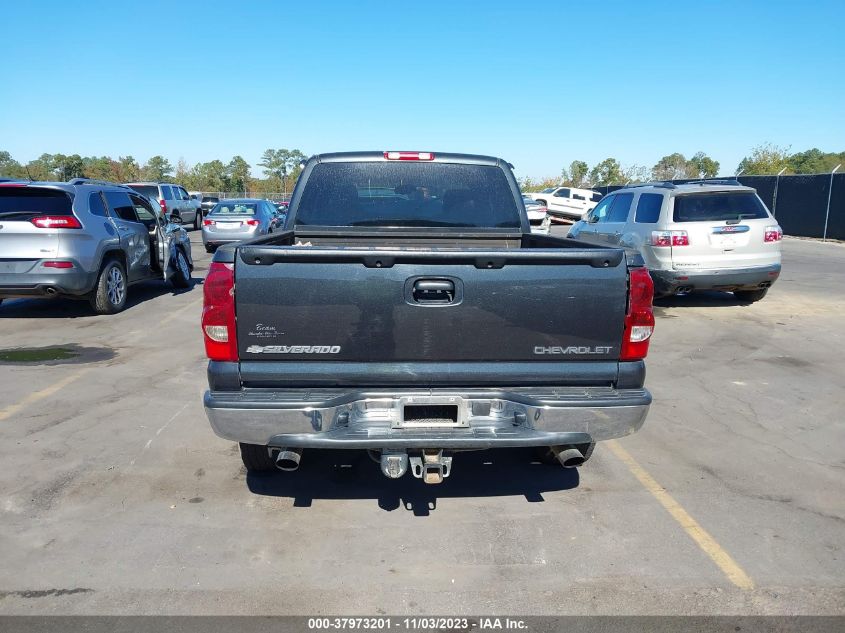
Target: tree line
765, 159
281, 168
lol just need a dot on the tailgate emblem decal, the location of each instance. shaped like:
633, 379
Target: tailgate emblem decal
572, 349
293, 349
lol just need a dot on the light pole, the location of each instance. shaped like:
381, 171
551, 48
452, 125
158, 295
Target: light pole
829, 193
738, 174
775, 202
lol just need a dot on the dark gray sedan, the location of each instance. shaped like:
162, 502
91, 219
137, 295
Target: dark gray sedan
237, 220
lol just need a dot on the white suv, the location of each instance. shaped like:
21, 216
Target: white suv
567, 203
709, 235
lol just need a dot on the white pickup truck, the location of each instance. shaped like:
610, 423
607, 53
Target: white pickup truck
567, 203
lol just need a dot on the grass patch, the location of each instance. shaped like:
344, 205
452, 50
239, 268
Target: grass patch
36, 354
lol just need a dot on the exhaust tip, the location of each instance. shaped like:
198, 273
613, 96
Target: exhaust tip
288, 459
570, 457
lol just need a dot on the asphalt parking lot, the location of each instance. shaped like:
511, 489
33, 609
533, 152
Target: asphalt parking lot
116, 497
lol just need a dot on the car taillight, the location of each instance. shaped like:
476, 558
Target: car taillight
639, 320
208, 222
163, 206
669, 238
252, 222
56, 222
218, 313
409, 156
773, 234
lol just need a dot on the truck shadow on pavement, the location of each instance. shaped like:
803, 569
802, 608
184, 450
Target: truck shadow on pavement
703, 299
63, 308
341, 474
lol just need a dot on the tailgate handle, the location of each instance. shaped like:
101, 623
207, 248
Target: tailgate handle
434, 291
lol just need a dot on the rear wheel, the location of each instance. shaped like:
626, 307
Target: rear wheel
209, 248
198, 221
750, 296
109, 294
182, 277
256, 458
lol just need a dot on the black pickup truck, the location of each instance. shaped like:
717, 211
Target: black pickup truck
408, 310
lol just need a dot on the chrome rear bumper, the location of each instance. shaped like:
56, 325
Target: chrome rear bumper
326, 418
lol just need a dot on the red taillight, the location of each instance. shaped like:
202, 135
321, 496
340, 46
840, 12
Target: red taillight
669, 238
252, 222
639, 321
163, 206
57, 264
773, 234
218, 313
56, 222
409, 156
208, 222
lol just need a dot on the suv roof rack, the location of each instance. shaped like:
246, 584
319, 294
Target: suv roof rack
666, 184
716, 181
93, 181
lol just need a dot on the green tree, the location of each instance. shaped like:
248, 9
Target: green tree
702, 166
68, 167
238, 173
765, 159
126, 169
211, 176
672, 167
99, 167
814, 161
9, 167
607, 172
576, 174
157, 168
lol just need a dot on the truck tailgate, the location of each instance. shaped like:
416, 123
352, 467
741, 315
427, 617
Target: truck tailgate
390, 308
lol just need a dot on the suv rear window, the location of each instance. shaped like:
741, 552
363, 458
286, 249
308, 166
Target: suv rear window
407, 194
24, 203
717, 206
150, 191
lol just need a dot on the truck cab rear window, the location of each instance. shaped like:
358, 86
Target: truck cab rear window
716, 207
407, 194
25, 203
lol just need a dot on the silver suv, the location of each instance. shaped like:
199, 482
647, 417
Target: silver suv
708, 235
173, 199
86, 239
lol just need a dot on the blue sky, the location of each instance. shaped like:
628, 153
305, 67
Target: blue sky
540, 84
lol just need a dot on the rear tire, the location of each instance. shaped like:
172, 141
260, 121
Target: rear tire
750, 296
256, 458
198, 221
210, 249
109, 295
182, 277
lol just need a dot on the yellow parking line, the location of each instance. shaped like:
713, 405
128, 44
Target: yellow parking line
697, 533
40, 395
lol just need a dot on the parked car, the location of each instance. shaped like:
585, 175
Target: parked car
173, 199
567, 203
422, 320
86, 239
208, 203
710, 235
538, 215
235, 220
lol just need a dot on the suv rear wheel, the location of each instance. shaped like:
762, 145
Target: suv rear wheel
109, 295
198, 220
750, 296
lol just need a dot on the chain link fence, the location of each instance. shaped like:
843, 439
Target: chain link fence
277, 196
